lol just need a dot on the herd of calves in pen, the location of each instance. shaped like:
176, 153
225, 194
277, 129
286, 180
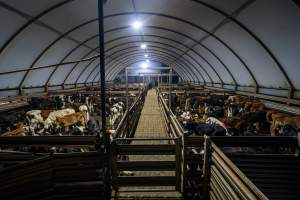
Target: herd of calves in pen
231, 115
208, 113
75, 114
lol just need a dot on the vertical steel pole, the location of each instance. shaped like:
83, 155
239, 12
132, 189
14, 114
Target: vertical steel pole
170, 89
158, 82
126, 74
127, 104
102, 70
106, 138
139, 81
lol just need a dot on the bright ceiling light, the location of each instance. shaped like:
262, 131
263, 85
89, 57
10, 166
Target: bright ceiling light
144, 65
146, 55
143, 46
137, 25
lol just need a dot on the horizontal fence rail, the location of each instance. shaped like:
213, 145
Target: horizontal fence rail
196, 180
173, 126
48, 141
66, 176
124, 149
128, 123
227, 181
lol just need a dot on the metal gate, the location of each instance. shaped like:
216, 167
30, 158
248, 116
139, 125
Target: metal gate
122, 148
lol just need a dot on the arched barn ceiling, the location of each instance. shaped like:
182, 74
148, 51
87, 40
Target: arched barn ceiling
248, 45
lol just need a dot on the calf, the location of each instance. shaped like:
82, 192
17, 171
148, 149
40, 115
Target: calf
257, 118
71, 119
187, 105
206, 129
52, 118
283, 121
234, 125
277, 120
19, 131
85, 110
116, 112
254, 106
35, 120
288, 130
45, 113
8, 121
235, 110
74, 106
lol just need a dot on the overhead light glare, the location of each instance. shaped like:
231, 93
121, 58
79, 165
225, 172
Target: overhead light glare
144, 65
146, 55
137, 25
147, 61
143, 46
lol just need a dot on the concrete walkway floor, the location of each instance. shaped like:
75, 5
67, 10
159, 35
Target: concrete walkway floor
151, 125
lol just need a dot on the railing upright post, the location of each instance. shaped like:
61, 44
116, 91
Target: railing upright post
170, 88
113, 157
127, 103
178, 172
206, 167
106, 137
158, 82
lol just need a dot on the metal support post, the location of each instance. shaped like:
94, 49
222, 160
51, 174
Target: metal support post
158, 82
106, 138
170, 88
139, 81
102, 70
127, 103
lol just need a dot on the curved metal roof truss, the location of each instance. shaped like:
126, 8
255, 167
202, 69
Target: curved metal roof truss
236, 43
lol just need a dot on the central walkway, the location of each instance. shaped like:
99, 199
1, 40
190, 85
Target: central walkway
151, 125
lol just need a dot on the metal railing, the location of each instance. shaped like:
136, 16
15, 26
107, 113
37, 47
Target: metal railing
128, 123
225, 180
120, 149
56, 176
173, 126
209, 172
48, 141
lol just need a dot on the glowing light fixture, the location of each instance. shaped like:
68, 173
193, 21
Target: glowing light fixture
144, 65
146, 55
137, 25
143, 46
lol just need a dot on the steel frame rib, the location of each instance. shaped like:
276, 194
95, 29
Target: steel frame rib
93, 70
155, 53
156, 50
113, 73
186, 36
125, 49
47, 48
161, 50
207, 5
198, 27
253, 35
84, 69
157, 58
31, 21
163, 56
165, 38
166, 46
135, 61
157, 15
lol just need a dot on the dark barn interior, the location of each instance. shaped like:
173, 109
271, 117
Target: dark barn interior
149, 99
